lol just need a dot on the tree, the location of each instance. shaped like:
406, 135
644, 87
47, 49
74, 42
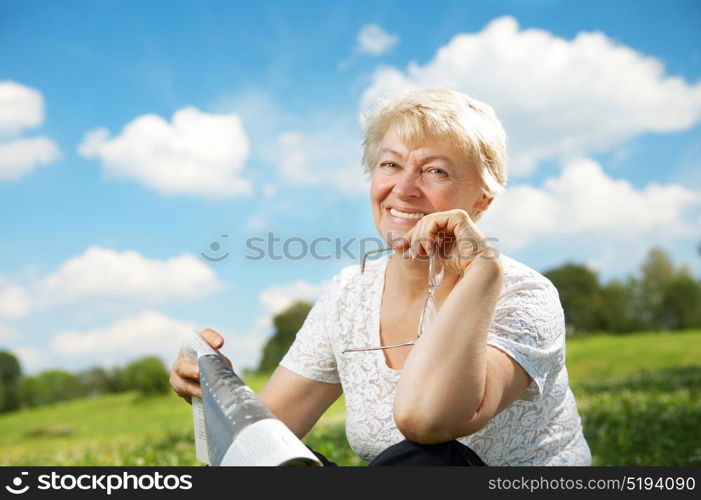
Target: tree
49, 387
98, 380
680, 305
656, 273
10, 375
616, 310
580, 295
667, 297
147, 375
287, 324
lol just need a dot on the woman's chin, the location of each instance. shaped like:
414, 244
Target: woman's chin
392, 235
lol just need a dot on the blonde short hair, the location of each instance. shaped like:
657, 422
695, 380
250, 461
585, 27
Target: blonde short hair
445, 115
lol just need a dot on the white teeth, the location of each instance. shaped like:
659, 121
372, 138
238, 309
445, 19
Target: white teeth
405, 215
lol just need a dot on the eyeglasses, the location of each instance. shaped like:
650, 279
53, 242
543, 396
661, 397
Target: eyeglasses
435, 278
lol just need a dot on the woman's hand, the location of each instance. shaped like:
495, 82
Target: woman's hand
451, 235
185, 374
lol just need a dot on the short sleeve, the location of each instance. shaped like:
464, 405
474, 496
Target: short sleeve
311, 354
528, 325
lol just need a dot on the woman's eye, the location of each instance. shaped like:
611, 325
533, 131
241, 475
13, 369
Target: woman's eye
389, 164
434, 170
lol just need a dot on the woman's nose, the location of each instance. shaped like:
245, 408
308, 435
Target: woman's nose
407, 185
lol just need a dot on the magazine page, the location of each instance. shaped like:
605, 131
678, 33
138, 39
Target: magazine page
237, 428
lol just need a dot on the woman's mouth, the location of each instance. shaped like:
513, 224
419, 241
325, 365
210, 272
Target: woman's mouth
405, 215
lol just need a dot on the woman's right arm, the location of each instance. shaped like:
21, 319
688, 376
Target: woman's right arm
297, 401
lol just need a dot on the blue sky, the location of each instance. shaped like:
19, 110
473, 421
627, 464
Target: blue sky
106, 205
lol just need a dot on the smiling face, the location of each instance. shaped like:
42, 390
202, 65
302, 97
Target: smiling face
408, 183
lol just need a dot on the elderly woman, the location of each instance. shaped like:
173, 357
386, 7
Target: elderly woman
482, 380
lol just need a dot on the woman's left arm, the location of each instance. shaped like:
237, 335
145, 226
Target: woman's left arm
452, 382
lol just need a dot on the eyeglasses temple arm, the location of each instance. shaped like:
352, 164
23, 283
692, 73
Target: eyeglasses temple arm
362, 265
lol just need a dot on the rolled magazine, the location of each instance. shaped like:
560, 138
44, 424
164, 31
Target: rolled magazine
232, 426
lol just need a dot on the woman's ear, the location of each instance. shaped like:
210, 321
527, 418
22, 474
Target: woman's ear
483, 203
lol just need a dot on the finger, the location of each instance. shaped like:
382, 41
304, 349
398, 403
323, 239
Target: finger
186, 389
213, 338
403, 242
436, 223
183, 388
444, 228
416, 238
454, 222
186, 369
424, 247
423, 241
227, 360
194, 390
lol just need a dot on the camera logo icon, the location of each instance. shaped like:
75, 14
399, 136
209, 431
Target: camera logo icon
17, 482
215, 246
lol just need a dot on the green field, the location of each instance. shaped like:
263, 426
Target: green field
637, 394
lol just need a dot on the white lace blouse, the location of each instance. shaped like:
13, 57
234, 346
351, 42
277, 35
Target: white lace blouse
541, 428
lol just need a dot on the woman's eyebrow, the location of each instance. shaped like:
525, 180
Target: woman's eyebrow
424, 160
438, 157
391, 151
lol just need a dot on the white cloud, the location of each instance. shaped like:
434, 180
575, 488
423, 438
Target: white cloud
321, 148
278, 297
375, 41
149, 332
520, 215
321, 158
246, 348
153, 333
556, 98
197, 153
14, 301
21, 107
257, 222
19, 157
582, 201
111, 277
269, 190
8, 333
31, 359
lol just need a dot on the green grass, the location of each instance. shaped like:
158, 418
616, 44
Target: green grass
637, 394
596, 356
126, 429
648, 418
105, 428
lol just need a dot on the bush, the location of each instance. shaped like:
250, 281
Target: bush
51, 386
10, 373
146, 375
98, 380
